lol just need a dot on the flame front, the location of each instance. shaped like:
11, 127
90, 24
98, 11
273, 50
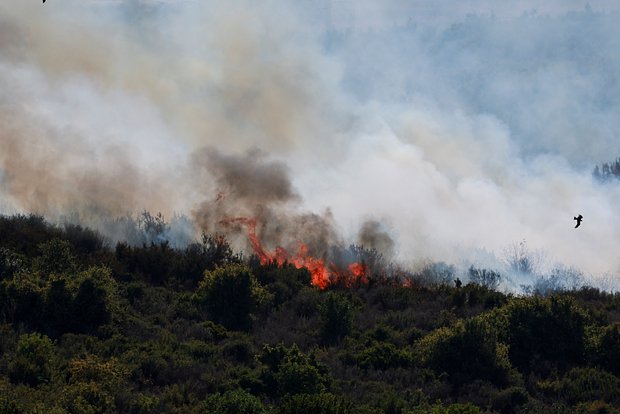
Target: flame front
322, 274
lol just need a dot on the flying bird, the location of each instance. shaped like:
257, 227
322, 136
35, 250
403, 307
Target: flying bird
578, 218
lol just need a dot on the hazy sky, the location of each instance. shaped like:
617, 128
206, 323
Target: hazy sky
460, 135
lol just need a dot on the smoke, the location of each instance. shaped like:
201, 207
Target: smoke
424, 131
373, 235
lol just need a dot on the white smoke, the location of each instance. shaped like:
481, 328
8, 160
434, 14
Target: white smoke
459, 127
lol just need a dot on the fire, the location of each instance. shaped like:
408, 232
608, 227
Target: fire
322, 274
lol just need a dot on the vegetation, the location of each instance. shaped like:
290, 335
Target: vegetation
90, 328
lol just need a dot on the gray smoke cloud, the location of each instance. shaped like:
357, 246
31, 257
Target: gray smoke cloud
467, 127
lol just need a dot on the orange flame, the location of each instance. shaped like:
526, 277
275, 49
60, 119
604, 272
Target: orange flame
322, 275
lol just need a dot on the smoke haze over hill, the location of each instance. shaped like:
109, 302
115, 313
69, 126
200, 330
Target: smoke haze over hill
448, 138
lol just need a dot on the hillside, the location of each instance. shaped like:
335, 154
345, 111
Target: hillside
91, 328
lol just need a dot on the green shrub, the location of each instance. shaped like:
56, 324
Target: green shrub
32, 362
57, 257
21, 301
605, 349
382, 355
8, 407
466, 351
450, 409
336, 318
510, 399
584, 384
230, 294
233, 402
88, 398
314, 404
539, 329
288, 371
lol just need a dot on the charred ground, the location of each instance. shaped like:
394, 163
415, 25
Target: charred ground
87, 327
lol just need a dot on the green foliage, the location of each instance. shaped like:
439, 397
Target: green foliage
466, 351
32, 362
11, 263
90, 307
58, 309
233, 402
8, 407
450, 409
605, 348
231, 294
24, 233
477, 295
538, 329
314, 404
381, 355
283, 282
21, 301
288, 371
130, 332
510, 399
584, 384
87, 398
57, 257
336, 318
79, 302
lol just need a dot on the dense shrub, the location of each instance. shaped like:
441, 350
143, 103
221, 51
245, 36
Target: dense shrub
233, 402
538, 329
605, 348
380, 355
57, 257
131, 332
230, 294
32, 362
288, 371
466, 351
584, 384
315, 404
21, 301
336, 318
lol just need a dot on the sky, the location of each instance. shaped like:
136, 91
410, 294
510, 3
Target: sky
454, 131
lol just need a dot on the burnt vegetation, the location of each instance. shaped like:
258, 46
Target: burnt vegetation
86, 327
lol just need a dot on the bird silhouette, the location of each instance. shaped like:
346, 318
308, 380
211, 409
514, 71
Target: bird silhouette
578, 218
